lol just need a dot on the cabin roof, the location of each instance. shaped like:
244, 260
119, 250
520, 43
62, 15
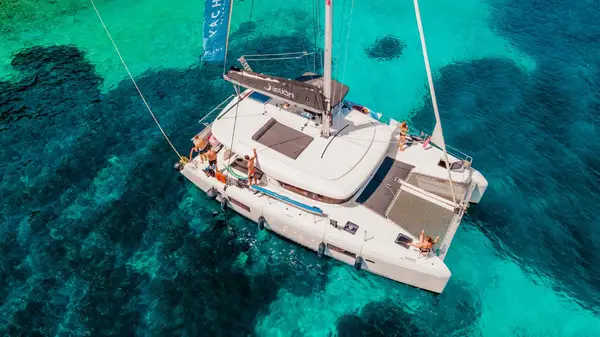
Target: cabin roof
335, 167
282, 138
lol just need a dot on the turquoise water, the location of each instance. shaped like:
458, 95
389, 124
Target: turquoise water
101, 237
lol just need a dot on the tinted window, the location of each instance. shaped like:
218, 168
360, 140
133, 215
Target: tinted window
312, 195
403, 240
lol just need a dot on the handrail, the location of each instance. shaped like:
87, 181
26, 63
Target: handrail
449, 235
217, 107
451, 150
279, 54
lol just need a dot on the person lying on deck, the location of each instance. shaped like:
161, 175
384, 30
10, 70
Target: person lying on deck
251, 168
425, 242
200, 146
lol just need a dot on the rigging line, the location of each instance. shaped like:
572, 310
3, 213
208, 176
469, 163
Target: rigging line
280, 54
245, 116
237, 106
249, 21
237, 91
306, 58
277, 58
432, 91
133, 80
342, 33
227, 37
318, 56
216, 108
314, 26
347, 44
321, 58
332, 138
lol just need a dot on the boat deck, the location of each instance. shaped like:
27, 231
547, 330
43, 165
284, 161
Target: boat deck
381, 190
414, 213
290, 147
406, 207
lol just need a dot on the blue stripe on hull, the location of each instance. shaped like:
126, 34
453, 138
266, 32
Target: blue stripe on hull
311, 209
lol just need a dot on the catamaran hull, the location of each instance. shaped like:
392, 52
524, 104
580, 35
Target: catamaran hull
316, 233
480, 188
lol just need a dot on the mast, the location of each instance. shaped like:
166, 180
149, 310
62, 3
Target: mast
327, 71
437, 137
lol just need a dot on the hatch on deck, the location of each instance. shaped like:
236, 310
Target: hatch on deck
282, 138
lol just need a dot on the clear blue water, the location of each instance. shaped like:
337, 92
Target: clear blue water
100, 236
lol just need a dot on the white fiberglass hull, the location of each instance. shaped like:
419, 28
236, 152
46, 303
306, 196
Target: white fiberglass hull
309, 230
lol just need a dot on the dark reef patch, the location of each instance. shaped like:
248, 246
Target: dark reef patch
453, 312
379, 319
245, 28
52, 85
94, 234
385, 48
538, 156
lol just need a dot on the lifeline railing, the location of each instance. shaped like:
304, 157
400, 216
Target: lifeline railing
451, 150
219, 107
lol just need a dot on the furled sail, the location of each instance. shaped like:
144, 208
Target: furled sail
437, 137
216, 27
306, 91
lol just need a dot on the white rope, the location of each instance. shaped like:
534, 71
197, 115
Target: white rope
318, 37
278, 58
133, 80
279, 54
227, 37
432, 91
216, 108
306, 59
237, 105
314, 14
347, 44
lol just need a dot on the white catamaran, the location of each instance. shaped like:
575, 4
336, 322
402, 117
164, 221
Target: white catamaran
330, 175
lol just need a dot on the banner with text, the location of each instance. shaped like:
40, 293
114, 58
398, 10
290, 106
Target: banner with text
216, 25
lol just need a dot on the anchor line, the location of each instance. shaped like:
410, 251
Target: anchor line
181, 158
